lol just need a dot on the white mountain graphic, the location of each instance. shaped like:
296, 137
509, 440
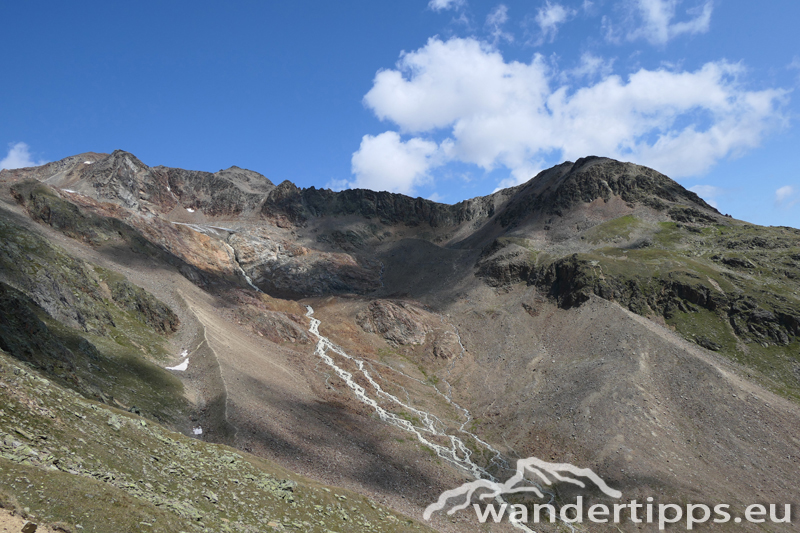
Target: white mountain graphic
539, 470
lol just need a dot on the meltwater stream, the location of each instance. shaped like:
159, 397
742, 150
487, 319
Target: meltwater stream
429, 428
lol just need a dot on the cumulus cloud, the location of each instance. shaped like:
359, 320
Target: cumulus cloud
709, 193
786, 196
441, 5
494, 113
387, 163
19, 156
657, 20
549, 18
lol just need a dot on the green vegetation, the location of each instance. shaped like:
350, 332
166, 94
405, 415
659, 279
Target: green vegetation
730, 287
669, 234
86, 327
413, 419
519, 241
616, 229
76, 462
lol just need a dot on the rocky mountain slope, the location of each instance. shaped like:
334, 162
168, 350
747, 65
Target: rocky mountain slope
599, 314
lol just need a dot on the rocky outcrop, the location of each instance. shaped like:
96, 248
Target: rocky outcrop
404, 324
300, 205
691, 215
557, 190
281, 268
197, 256
446, 345
144, 306
572, 280
24, 336
505, 261
399, 323
227, 193
63, 355
72, 291
123, 179
67, 289
45, 205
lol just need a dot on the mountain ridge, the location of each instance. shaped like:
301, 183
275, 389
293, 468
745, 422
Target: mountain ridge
561, 186
599, 314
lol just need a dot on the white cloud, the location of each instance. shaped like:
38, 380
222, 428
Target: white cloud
512, 114
519, 176
549, 18
709, 193
19, 156
657, 17
386, 163
495, 21
441, 5
590, 66
786, 196
337, 184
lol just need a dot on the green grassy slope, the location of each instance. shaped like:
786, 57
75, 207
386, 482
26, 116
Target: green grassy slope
86, 327
71, 460
729, 287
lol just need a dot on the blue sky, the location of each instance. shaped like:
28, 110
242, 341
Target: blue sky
445, 99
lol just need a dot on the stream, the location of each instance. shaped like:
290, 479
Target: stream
428, 430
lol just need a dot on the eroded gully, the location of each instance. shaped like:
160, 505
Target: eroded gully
429, 430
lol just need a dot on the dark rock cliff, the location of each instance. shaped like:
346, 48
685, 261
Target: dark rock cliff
555, 191
300, 205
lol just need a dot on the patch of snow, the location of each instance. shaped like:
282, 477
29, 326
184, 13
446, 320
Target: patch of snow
185, 353
69, 190
197, 431
190, 209
181, 367
170, 190
88, 162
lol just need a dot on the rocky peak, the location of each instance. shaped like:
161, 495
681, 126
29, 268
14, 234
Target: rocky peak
121, 158
117, 177
247, 180
559, 189
57, 173
594, 177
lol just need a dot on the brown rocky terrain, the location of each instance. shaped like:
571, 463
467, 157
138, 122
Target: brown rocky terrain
599, 314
